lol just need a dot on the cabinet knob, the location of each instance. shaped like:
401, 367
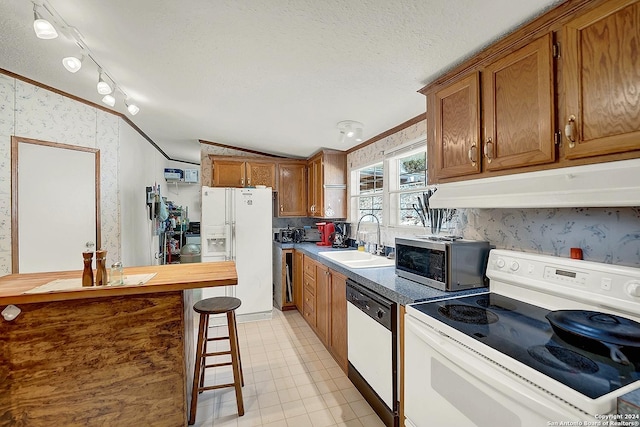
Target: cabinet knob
488, 150
281, 208
242, 182
473, 154
570, 131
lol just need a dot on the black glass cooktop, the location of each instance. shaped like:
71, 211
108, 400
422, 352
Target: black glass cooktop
521, 331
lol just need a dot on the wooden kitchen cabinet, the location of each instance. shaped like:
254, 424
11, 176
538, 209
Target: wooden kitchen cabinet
298, 274
601, 81
327, 184
243, 173
309, 291
323, 303
324, 307
338, 318
518, 108
517, 115
456, 128
292, 189
572, 70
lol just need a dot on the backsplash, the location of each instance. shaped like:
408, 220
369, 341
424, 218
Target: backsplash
609, 235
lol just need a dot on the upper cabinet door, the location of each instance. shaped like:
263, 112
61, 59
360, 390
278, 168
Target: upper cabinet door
261, 173
601, 74
518, 109
292, 195
457, 128
228, 173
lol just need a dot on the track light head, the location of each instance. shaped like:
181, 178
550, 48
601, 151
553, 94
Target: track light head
133, 108
109, 100
72, 64
103, 87
43, 28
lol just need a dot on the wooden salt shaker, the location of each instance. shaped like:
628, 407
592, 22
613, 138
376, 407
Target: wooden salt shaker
87, 273
101, 269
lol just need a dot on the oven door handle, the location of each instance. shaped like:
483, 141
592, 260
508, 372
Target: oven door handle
497, 378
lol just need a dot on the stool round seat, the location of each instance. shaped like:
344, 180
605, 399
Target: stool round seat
217, 305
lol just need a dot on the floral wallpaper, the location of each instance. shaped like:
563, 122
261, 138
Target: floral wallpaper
609, 235
33, 112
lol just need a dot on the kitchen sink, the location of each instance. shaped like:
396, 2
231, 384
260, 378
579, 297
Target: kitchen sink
358, 259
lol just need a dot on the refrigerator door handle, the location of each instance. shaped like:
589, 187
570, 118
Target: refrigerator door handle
233, 239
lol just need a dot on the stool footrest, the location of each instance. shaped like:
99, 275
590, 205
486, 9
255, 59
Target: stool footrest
218, 338
215, 387
217, 353
216, 365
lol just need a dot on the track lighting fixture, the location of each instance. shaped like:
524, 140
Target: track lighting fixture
103, 87
72, 64
350, 131
109, 100
107, 85
133, 108
43, 28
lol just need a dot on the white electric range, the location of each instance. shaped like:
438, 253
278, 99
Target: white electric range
503, 358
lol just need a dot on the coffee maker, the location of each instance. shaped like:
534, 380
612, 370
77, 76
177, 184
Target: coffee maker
341, 235
326, 230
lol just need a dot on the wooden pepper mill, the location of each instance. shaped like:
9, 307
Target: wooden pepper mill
87, 273
101, 269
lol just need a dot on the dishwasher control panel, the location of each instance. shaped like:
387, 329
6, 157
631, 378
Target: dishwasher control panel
373, 305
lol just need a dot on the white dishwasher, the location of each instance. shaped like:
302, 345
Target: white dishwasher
372, 350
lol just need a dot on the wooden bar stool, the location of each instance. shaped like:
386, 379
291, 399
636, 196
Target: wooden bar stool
206, 307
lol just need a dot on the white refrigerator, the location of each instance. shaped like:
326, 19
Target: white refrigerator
236, 225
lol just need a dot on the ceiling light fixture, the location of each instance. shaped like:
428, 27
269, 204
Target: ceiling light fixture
72, 64
350, 131
102, 86
107, 84
109, 100
43, 28
133, 108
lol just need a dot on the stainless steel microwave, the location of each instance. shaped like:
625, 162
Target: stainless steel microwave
448, 265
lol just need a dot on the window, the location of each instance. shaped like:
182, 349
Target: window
412, 176
394, 189
367, 193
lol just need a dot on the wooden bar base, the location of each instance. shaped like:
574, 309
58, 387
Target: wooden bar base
116, 361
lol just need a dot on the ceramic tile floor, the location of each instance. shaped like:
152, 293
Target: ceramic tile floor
291, 380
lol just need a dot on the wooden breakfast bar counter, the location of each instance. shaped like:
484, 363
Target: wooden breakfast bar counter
112, 355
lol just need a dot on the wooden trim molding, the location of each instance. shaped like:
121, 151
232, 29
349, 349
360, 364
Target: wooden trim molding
246, 150
15, 259
94, 105
401, 126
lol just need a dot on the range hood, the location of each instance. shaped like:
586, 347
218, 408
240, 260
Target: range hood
608, 184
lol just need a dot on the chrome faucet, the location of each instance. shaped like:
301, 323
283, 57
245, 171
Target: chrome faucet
378, 249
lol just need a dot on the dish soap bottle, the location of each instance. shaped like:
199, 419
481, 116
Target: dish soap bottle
101, 270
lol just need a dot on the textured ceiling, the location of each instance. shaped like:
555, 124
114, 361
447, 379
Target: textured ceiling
274, 76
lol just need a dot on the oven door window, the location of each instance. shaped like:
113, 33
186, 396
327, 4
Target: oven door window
425, 262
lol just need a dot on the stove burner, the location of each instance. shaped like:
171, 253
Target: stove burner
487, 302
563, 359
468, 314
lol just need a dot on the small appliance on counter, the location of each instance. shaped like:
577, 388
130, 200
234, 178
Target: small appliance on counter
447, 264
285, 235
326, 230
340, 235
306, 234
